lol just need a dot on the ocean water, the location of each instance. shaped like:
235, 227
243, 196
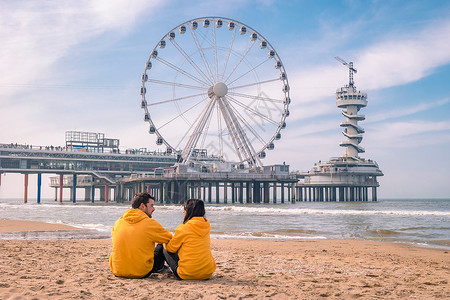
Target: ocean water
421, 222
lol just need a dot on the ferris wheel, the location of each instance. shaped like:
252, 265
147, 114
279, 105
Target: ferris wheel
215, 87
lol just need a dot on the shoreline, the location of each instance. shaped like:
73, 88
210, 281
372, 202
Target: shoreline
37, 230
246, 269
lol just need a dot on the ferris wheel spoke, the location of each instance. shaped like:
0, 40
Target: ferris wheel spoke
189, 128
182, 71
193, 139
219, 131
177, 84
252, 69
200, 51
253, 84
175, 99
228, 54
239, 62
231, 129
181, 114
247, 125
205, 131
256, 97
216, 72
244, 143
252, 110
193, 64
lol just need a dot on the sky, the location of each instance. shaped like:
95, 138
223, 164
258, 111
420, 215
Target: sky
77, 65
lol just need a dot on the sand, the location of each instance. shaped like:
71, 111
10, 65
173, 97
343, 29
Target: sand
246, 269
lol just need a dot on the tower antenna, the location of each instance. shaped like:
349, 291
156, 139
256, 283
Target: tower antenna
350, 70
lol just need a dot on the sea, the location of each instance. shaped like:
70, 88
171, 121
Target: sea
422, 222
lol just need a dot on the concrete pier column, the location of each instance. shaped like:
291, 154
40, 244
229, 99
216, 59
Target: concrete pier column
161, 192
289, 192
274, 192
250, 193
217, 192
102, 193
92, 190
199, 190
225, 192
74, 188
25, 193
241, 192
233, 193
266, 192
39, 186
374, 194
282, 192
61, 187
293, 193
56, 194
209, 192
247, 192
256, 192
87, 194
106, 193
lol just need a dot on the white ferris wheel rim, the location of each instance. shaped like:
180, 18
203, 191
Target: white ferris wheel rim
217, 88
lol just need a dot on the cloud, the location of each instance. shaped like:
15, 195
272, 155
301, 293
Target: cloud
401, 112
410, 134
405, 59
36, 34
398, 61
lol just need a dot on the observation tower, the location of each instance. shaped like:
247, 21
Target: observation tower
348, 177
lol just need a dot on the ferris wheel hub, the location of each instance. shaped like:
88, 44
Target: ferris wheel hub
220, 89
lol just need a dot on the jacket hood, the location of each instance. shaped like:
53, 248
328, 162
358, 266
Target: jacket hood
199, 226
134, 215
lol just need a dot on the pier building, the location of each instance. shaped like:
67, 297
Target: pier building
88, 156
348, 177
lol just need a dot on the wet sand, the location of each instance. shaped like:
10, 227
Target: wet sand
246, 269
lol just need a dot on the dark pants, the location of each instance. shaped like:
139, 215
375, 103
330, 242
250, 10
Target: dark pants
172, 259
158, 259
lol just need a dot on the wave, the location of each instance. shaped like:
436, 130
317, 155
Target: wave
382, 232
308, 211
261, 236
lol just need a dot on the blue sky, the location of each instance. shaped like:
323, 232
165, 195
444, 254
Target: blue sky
76, 65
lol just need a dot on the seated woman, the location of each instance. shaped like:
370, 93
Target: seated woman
188, 253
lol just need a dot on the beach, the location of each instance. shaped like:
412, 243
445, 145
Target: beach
246, 269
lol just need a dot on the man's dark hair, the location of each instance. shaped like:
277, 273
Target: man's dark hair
141, 198
193, 208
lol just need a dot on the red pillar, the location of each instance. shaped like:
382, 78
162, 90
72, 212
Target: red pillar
61, 179
148, 189
106, 193
25, 196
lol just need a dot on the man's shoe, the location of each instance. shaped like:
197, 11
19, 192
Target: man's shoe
163, 269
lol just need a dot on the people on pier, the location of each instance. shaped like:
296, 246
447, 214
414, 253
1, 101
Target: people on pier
189, 251
134, 236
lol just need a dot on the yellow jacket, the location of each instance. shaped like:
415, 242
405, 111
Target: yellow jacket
193, 244
134, 236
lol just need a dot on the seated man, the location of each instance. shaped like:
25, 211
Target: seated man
134, 236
